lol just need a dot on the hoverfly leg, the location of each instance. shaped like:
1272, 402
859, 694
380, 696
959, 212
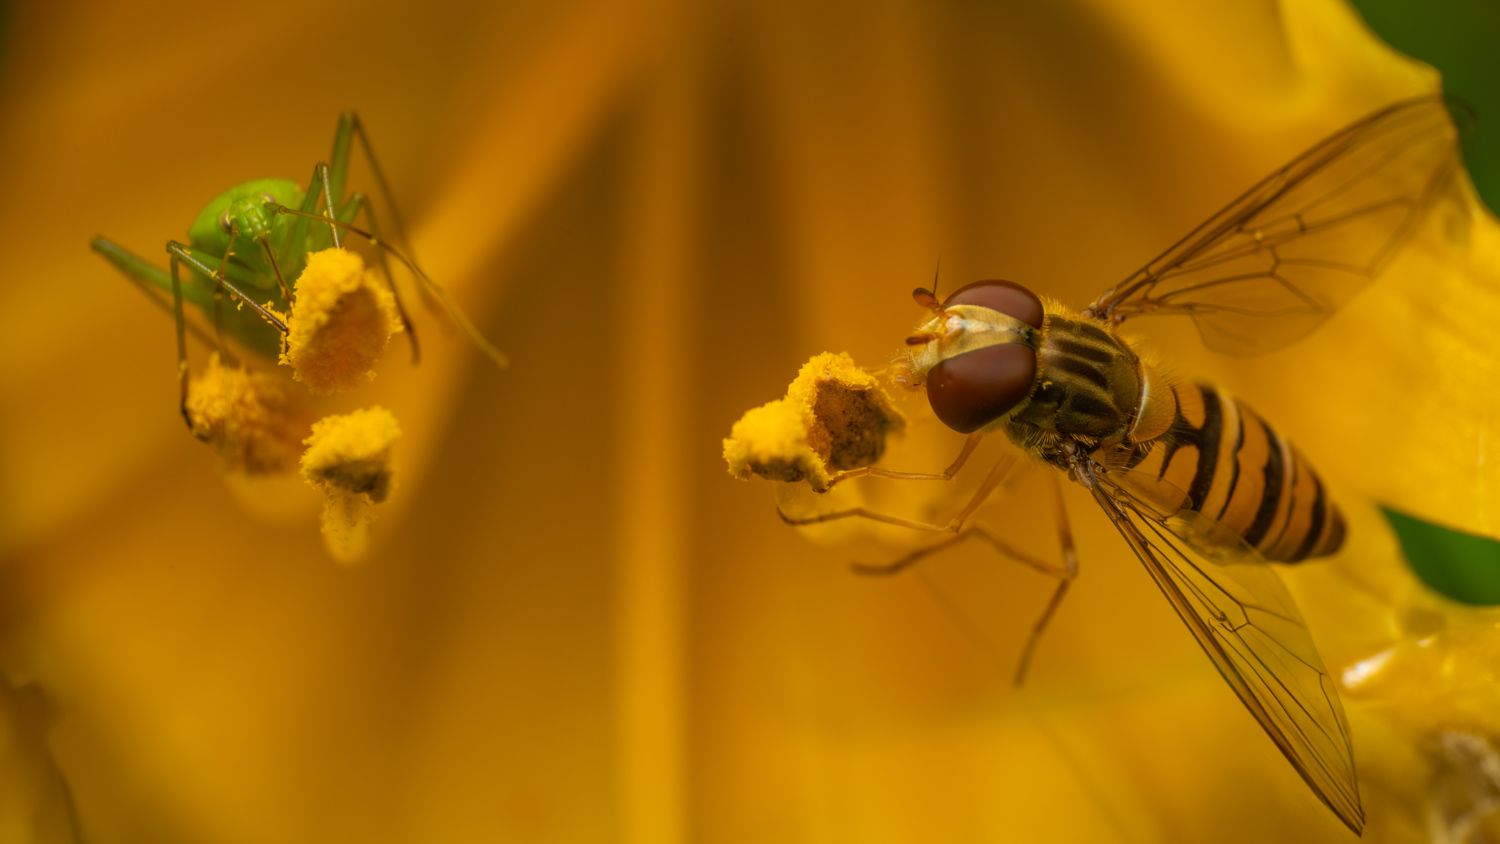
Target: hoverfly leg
1065, 574
980, 531
859, 513
991, 482
946, 475
996, 475
959, 617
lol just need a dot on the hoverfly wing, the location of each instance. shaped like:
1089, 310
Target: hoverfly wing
1279, 260
1245, 620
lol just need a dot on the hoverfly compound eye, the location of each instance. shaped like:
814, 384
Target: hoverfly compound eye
973, 389
1007, 297
224, 221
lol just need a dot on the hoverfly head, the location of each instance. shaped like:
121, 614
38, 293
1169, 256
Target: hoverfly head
977, 356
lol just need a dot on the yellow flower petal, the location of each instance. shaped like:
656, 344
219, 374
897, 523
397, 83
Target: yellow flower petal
217, 686
37, 805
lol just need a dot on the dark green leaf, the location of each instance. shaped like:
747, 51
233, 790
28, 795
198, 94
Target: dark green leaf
1460, 565
1459, 38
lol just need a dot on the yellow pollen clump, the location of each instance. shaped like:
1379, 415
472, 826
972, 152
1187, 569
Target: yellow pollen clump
340, 323
834, 417
254, 421
349, 458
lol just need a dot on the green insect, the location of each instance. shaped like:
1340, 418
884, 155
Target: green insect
252, 241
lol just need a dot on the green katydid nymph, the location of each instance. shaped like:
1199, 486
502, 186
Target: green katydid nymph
265, 262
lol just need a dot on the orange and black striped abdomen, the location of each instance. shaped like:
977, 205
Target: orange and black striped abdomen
1238, 471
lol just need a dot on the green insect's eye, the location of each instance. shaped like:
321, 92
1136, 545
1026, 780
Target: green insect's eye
224, 221
269, 198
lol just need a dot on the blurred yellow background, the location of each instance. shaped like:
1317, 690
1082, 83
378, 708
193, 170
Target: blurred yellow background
574, 625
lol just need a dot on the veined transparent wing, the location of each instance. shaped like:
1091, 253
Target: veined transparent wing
1279, 260
1246, 621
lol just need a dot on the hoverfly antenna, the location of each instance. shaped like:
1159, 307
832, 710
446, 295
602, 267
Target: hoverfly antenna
928, 298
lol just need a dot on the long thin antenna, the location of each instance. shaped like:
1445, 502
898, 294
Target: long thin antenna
928, 299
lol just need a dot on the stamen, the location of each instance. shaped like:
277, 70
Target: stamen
349, 459
341, 321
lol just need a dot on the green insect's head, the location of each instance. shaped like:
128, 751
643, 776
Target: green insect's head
249, 215
243, 208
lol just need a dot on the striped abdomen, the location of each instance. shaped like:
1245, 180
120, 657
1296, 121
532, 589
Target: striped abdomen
1241, 473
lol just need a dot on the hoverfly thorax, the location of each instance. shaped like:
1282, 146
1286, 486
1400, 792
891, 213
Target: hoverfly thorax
1093, 387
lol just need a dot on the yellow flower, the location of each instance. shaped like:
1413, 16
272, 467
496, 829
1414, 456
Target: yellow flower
575, 627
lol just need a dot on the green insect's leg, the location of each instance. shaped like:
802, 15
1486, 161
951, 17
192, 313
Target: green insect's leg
218, 276
449, 305
327, 181
187, 256
148, 278
226, 356
286, 292
294, 247
246, 327
303, 239
351, 210
330, 210
182, 364
338, 160
350, 128
141, 272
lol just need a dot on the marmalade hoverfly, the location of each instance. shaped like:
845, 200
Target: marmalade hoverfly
1202, 489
